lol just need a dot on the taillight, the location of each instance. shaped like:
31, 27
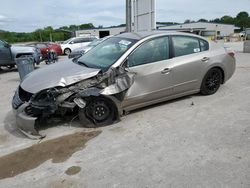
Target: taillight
231, 53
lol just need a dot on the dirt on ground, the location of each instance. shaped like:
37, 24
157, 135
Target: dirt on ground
59, 150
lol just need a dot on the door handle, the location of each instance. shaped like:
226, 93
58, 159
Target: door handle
204, 59
166, 71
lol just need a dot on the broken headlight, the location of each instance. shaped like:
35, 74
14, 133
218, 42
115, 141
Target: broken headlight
45, 96
44, 103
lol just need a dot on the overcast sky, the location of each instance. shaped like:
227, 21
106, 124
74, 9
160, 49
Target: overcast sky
28, 15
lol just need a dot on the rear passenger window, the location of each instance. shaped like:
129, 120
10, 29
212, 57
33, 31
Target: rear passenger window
87, 39
91, 39
150, 51
76, 41
185, 45
84, 40
204, 45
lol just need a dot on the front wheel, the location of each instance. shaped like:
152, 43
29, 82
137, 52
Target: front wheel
99, 111
67, 51
211, 82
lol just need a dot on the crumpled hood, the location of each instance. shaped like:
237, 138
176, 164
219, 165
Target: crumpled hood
58, 74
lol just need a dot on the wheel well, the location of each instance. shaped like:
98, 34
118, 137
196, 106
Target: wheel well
222, 72
19, 55
66, 49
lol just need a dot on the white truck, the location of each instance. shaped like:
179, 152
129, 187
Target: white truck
8, 53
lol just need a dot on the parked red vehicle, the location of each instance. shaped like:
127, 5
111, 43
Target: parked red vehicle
46, 47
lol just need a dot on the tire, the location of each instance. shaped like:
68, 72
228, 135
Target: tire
211, 82
67, 51
84, 120
99, 112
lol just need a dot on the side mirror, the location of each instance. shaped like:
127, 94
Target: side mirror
126, 63
72, 42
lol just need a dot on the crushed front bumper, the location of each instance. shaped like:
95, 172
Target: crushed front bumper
26, 123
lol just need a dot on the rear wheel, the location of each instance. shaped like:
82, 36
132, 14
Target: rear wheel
99, 112
211, 82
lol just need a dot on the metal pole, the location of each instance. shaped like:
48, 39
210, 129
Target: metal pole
128, 15
40, 36
50, 37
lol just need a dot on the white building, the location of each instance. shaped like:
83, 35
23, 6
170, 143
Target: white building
100, 32
203, 28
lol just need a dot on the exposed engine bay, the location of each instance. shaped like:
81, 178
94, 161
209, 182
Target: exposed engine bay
96, 100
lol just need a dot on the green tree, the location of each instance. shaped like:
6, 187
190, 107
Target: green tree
242, 15
202, 20
227, 20
216, 20
87, 26
73, 27
242, 20
187, 21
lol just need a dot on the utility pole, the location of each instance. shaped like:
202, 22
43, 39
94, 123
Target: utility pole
50, 37
40, 34
128, 16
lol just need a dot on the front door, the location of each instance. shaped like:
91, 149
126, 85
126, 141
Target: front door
5, 54
153, 78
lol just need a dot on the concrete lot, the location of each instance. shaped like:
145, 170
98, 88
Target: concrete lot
195, 141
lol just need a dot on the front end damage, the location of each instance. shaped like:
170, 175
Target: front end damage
30, 109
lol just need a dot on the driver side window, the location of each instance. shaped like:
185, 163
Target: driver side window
149, 52
2, 44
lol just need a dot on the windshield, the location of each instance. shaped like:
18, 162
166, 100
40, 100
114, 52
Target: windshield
95, 42
106, 53
67, 41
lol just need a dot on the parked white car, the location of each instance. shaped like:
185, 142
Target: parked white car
76, 42
76, 53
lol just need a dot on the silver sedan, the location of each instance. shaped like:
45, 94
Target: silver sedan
123, 73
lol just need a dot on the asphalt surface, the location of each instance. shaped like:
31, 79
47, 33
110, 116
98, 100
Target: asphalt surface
195, 141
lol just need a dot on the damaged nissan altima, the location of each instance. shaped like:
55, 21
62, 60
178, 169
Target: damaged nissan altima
123, 73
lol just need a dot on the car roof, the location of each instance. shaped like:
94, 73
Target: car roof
84, 37
142, 35
34, 43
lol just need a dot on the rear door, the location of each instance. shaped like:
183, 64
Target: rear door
190, 57
76, 43
153, 77
5, 54
86, 41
